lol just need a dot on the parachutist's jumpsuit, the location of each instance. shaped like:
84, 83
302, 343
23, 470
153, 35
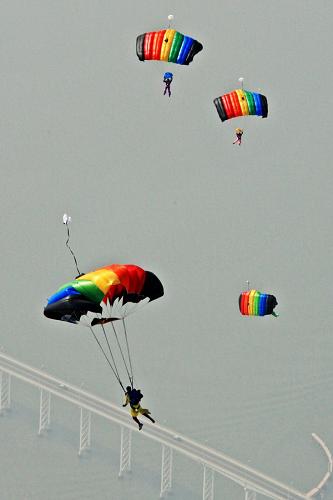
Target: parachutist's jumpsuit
239, 133
136, 410
167, 82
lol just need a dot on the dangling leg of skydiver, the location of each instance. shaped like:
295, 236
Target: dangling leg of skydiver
238, 140
167, 88
138, 410
138, 422
148, 416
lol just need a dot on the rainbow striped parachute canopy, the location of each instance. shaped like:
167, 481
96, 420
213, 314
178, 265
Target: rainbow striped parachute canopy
254, 303
167, 45
240, 103
107, 294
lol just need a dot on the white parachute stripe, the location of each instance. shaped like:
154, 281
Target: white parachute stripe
117, 310
87, 319
130, 307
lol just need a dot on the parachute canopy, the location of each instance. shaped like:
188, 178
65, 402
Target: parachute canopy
107, 294
254, 303
167, 45
240, 103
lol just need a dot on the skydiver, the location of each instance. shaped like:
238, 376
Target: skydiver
133, 398
239, 133
167, 79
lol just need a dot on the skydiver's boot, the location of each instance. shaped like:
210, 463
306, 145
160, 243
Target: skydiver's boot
138, 422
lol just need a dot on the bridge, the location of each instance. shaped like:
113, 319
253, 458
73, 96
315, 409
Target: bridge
213, 462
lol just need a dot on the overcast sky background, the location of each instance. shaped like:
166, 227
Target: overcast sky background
156, 182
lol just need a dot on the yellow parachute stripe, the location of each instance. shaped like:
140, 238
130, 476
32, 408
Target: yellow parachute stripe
251, 301
103, 279
166, 45
242, 101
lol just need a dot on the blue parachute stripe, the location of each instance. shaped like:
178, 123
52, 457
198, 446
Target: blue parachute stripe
257, 102
66, 292
262, 304
185, 49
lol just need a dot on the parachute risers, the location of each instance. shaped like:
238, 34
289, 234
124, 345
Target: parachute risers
254, 303
167, 45
241, 103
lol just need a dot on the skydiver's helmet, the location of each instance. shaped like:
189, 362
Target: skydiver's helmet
128, 389
239, 131
167, 77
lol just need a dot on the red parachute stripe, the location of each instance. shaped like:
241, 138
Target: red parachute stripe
114, 291
227, 107
245, 303
132, 277
235, 104
148, 45
158, 41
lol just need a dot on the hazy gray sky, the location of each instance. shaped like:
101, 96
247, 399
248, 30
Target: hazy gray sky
85, 129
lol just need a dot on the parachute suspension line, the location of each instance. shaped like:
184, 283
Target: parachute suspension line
115, 372
71, 251
122, 355
110, 351
128, 350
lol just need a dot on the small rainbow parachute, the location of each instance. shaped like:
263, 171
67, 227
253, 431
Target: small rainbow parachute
167, 45
241, 103
254, 303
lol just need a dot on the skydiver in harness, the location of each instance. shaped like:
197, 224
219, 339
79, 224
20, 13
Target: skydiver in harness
167, 79
133, 398
239, 133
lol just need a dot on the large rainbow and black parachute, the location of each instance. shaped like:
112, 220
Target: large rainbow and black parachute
254, 303
167, 45
241, 103
107, 294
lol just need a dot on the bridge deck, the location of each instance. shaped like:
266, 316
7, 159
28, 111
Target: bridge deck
236, 471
